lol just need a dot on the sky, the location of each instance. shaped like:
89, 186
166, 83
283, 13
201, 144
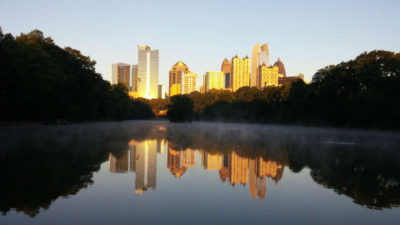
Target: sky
307, 35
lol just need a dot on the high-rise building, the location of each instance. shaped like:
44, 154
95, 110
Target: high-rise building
120, 74
259, 56
189, 83
214, 80
279, 64
161, 91
176, 77
268, 76
147, 79
134, 78
226, 68
240, 69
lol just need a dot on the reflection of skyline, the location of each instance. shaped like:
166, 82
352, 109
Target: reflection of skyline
141, 158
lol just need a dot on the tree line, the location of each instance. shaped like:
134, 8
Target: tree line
40, 81
363, 93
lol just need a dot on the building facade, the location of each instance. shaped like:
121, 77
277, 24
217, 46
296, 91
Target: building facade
226, 69
214, 80
259, 56
147, 79
120, 74
176, 77
134, 78
189, 83
268, 76
240, 69
281, 67
161, 91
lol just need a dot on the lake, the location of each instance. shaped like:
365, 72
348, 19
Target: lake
156, 172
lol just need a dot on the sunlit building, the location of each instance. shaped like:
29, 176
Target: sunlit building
288, 80
189, 83
211, 161
240, 69
147, 78
226, 69
176, 77
214, 80
134, 78
281, 66
259, 56
268, 76
120, 74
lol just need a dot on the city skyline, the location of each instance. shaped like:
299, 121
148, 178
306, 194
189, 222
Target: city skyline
306, 36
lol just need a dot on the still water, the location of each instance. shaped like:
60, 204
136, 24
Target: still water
155, 172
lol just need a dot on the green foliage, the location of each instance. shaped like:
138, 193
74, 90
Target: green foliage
39, 81
180, 109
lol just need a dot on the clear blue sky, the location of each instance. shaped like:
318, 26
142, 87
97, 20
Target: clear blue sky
307, 35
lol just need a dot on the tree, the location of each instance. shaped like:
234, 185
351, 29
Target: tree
180, 109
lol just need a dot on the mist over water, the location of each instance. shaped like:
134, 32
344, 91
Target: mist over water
158, 172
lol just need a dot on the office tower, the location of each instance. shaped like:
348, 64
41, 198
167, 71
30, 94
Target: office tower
134, 78
175, 78
259, 56
161, 91
268, 76
189, 83
147, 79
146, 166
226, 69
238, 169
240, 69
279, 64
120, 74
214, 80
211, 161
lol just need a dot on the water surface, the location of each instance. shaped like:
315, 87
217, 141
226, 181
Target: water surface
154, 172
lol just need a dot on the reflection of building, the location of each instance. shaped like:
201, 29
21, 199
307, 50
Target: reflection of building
146, 166
188, 158
160, 143
147, 78
211, 161
141, 158
224, 171
120, 74
240, 72
259, 170
175, 164
260, 56
238, 169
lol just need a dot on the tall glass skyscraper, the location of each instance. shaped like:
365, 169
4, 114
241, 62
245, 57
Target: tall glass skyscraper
259, 56
147, 79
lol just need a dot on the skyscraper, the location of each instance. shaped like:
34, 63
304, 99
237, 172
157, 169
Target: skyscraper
226, 69
189, 83
120, 74
161, 91
214, 80
281, 67
259, 56
176, 76
147, 79
240, 69
134, 78
267, 76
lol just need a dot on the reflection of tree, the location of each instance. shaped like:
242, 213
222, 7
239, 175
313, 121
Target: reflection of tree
40, 164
